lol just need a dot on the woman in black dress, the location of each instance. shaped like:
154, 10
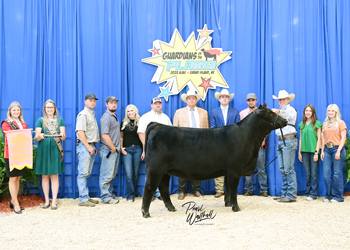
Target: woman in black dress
14, 121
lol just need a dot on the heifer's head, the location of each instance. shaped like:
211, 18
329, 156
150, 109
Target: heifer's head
270, 117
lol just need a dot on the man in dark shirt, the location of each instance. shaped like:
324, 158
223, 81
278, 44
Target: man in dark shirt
109, 150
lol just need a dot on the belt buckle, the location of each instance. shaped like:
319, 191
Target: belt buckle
329, 145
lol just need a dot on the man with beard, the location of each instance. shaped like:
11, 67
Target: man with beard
262, 177
155, 115
87, 137
223, 116
109, 150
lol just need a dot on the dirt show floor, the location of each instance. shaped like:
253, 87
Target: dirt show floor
262, 223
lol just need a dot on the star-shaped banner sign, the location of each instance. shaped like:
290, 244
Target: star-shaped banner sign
165, 92
190, 63
154, 51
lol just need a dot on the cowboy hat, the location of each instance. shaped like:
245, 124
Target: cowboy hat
223, 92
191, 92
284, 94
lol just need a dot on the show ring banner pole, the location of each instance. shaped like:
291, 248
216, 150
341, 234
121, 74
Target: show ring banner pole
20, 148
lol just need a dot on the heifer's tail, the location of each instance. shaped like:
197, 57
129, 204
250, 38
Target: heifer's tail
148, 130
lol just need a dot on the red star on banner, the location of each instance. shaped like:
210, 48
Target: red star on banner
155, 51
206, 84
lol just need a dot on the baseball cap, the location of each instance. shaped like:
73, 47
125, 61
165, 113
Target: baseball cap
111, 98
156, 99
251, 96
90, 96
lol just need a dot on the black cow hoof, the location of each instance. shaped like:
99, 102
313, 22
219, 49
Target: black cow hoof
236, 209
171, 209
146, 215
228, 205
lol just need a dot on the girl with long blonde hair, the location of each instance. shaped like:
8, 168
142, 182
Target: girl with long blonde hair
333, 154
131, 148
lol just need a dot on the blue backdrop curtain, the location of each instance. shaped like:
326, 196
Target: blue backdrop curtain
62, 50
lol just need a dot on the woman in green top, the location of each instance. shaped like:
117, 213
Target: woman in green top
309, 145
49, 156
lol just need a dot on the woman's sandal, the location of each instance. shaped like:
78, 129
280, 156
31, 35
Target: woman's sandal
45, 206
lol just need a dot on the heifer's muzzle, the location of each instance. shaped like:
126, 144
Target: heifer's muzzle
279, 122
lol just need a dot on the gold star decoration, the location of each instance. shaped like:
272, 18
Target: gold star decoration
205, 32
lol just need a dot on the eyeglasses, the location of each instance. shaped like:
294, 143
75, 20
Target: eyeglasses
49, 107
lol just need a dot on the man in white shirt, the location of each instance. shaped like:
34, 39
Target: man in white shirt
155, 115
286, 153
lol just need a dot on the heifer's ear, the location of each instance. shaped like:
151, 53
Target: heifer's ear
265, 105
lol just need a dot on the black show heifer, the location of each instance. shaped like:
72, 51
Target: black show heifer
202, 154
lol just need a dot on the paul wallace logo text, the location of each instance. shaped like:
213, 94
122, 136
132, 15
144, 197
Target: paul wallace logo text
196, 213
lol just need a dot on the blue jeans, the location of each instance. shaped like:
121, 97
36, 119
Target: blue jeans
86, 162
131, 163
311, 169
262, 177
335, 184
286, 158
108, 171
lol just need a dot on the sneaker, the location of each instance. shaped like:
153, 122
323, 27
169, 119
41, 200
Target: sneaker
309, 199
248, 193
326, 200
86, 204
264, 194
334, 201
93, 201
159, 198
111, 201
130, 201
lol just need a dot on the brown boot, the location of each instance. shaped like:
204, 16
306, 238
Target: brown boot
197, 194
181, 196
218, 194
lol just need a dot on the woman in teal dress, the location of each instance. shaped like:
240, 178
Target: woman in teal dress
49, 156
